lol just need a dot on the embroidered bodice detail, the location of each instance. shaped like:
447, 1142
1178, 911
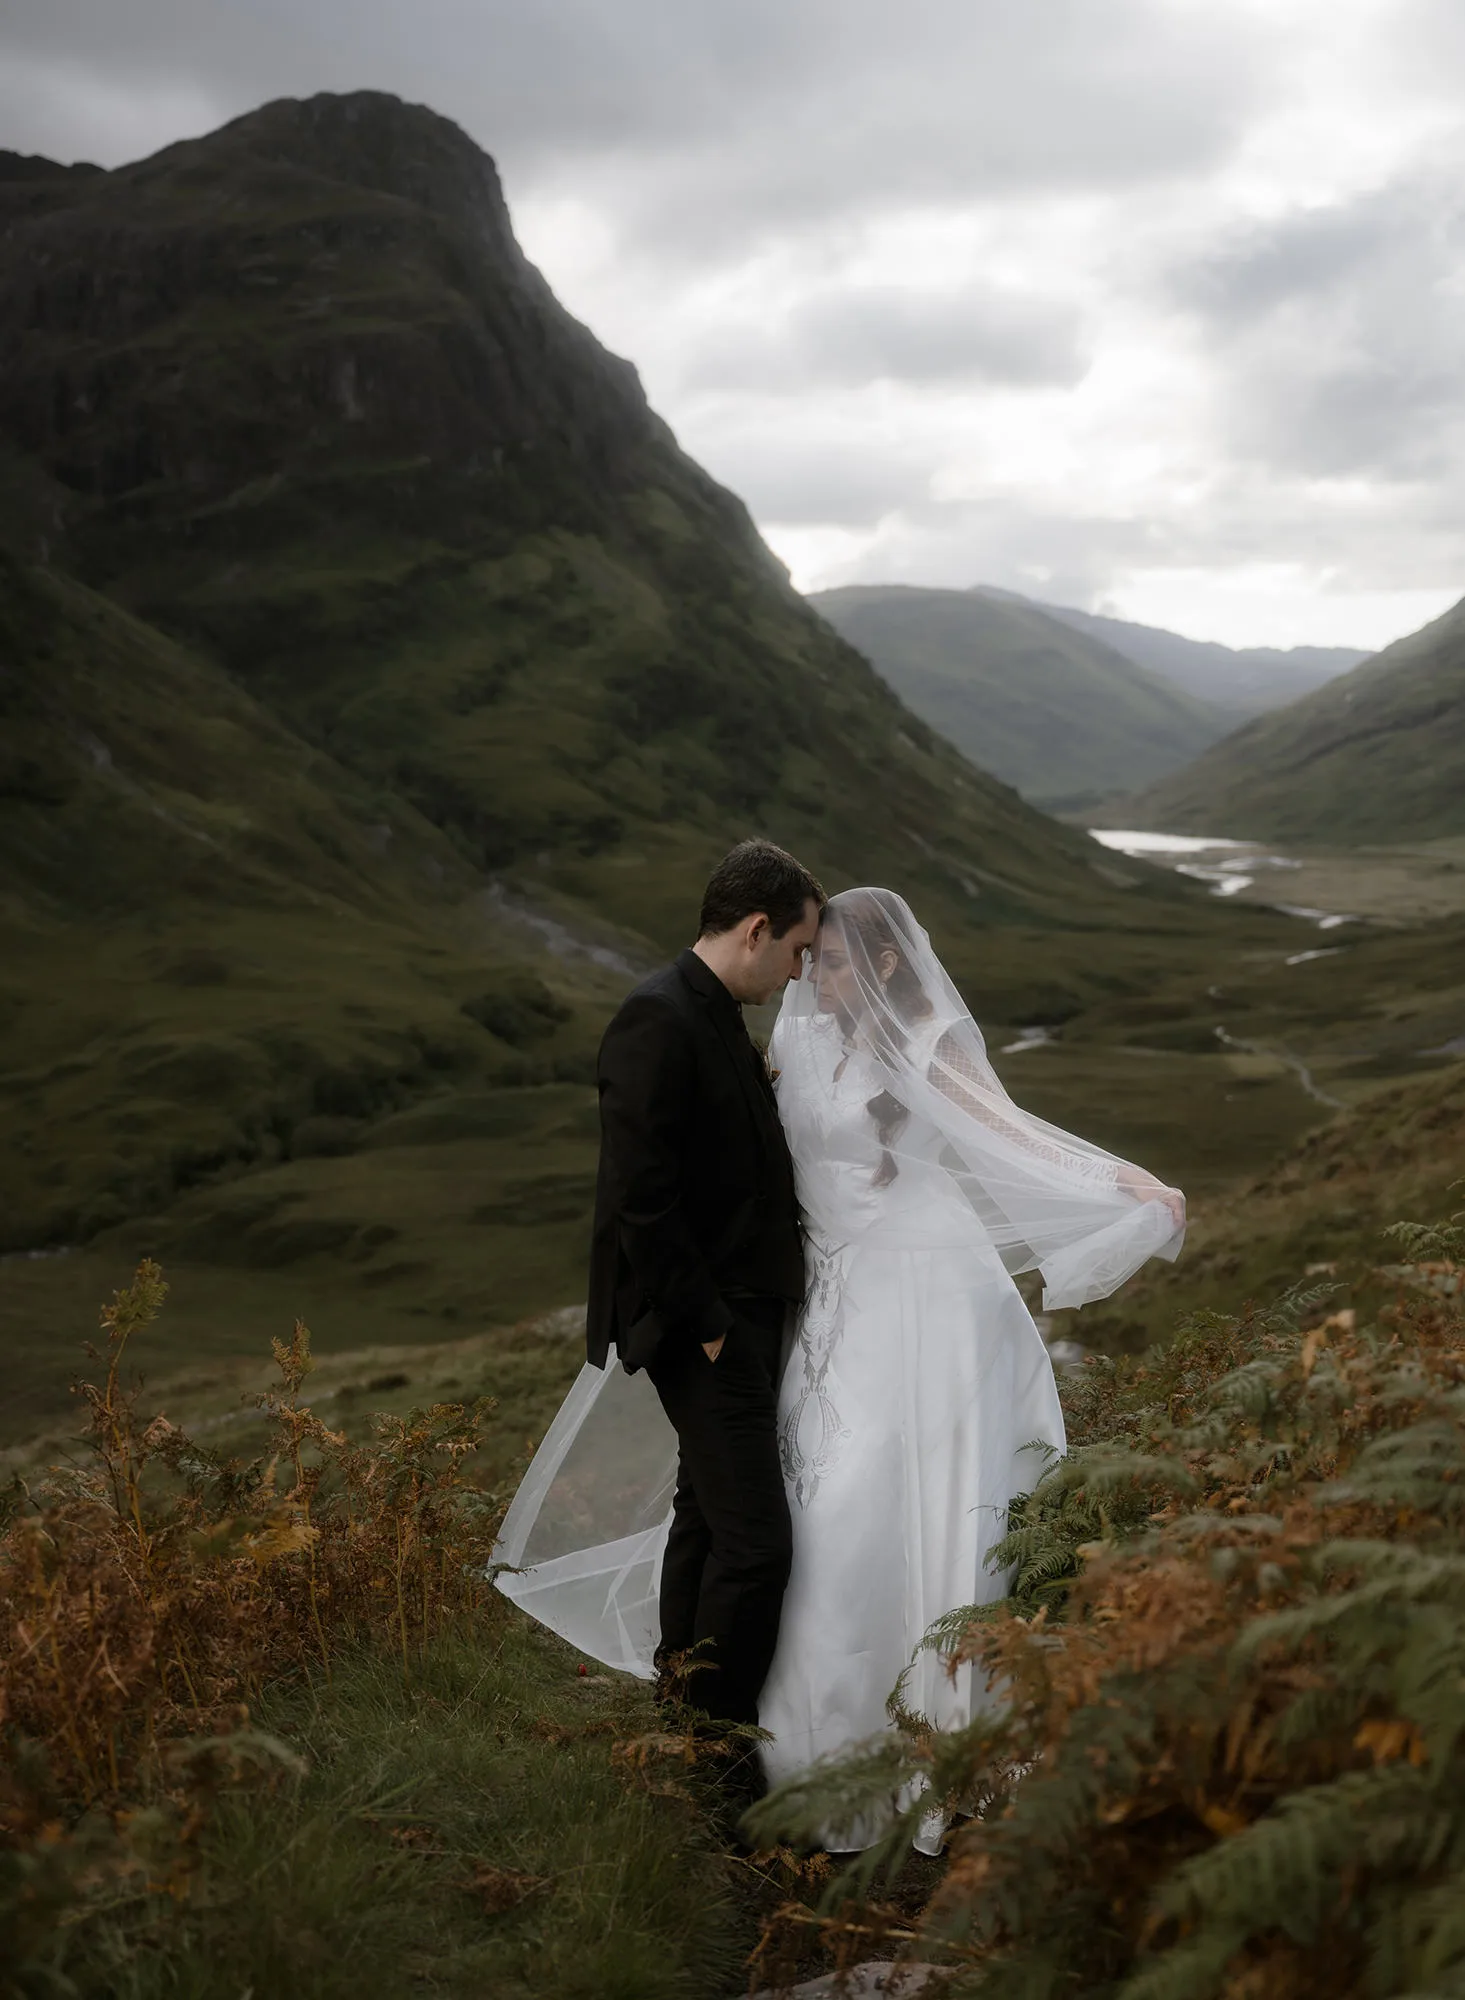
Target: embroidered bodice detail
811, 1432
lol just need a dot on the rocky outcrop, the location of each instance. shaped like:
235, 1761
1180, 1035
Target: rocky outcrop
321, 284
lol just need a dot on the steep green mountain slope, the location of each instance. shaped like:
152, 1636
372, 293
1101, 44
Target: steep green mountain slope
378, 682
304, 406
1375, 756
1241, 681
1063, 717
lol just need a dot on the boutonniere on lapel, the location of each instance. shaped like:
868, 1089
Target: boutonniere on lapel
769, 1071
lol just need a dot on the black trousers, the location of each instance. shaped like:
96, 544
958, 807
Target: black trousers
728, 1554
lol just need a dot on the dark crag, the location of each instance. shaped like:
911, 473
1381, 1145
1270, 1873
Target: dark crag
296, 396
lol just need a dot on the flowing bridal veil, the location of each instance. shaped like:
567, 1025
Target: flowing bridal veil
1047, 1201
916, 1374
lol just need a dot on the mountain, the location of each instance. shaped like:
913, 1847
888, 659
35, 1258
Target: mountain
1062, 716
1377, 755
378, 681
292, 396
1241, 682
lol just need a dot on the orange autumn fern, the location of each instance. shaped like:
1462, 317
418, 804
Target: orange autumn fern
1229, 1757
148, 1595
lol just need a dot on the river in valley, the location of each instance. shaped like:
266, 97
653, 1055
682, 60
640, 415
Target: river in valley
1228, 866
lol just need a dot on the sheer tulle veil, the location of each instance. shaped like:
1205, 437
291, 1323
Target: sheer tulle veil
586, 1530
1050, 1202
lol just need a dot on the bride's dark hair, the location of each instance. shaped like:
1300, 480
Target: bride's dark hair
869, 916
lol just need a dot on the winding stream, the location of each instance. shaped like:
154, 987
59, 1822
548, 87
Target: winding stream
1229, 866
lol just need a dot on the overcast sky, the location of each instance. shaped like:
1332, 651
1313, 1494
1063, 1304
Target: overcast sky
1151, 306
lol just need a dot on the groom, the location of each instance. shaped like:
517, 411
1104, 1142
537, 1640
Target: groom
697, 1256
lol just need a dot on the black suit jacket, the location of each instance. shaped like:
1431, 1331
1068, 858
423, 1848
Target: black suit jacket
695, 1196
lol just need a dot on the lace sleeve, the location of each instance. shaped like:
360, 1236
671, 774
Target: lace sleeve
974, 1089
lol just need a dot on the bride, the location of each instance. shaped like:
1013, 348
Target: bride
918, 1397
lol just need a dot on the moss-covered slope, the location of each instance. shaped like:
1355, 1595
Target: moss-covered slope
1377, 755
1056, 712
311, 410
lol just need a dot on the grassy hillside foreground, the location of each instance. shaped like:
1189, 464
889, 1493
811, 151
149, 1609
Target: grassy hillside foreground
266, 1727
261, 1714
1227, 1761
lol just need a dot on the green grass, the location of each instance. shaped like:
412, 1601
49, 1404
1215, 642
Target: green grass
1323, 1205
360, 1876
466, 1207
1224, 1754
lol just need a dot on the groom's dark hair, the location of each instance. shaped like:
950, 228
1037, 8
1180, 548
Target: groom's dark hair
757, 876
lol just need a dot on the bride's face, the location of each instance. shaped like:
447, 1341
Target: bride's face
841, 989
835, 985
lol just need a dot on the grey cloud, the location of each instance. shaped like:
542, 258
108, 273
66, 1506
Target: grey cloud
1337, 334
1401, 540
1301, 257
712, 120
1425, 46
938, 104
861, 335
793, 478
1071, 558
855, 335
1386, 417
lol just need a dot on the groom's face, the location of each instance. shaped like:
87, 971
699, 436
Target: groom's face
771, 962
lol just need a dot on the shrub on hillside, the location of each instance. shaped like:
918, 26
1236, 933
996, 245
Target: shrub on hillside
1227, 1758
148, 1595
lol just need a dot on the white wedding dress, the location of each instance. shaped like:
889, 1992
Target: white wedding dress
918, 1397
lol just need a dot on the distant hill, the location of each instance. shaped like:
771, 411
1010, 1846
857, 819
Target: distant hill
1241, 682
1062, 716
1377, 755
378, 681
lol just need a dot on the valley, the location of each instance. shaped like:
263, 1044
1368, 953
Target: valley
1407, 884
380, 683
